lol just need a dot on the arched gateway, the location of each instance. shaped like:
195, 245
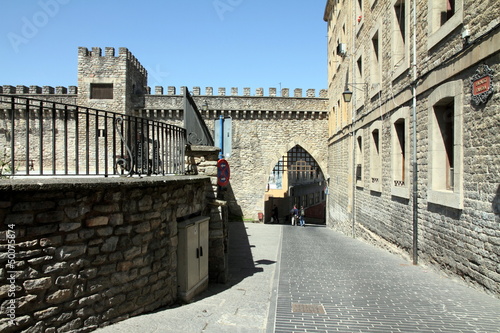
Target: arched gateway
296, 179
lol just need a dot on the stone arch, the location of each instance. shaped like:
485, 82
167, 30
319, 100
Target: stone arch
314, 152
296, 183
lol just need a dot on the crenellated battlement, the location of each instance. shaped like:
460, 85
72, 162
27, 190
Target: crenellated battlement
37, 90
109, 52
171, 91
259, 92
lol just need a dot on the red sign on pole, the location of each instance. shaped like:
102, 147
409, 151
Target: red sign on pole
223, 172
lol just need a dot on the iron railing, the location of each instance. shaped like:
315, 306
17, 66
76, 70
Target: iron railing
47, 138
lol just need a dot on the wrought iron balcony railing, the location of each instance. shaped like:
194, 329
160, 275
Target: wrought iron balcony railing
46, 138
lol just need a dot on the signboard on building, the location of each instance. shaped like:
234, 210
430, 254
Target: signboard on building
482, 84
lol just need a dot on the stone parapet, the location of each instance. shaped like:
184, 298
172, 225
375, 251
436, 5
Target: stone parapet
37, 90
89, 252
247, 92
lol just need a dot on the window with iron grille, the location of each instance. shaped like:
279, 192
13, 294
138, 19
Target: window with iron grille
399, 167
400, 153
101, 91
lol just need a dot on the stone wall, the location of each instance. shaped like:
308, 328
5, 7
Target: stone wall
457, 227
263, 130
203, 160
266, 124
83, 253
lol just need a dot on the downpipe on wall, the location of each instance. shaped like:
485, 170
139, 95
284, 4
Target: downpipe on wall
414, 141
221, 122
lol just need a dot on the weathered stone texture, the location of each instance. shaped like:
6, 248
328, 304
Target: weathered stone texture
460, 240
86, 271
265, 125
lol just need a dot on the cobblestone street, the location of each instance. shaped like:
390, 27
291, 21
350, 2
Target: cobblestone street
329, 282
287, 279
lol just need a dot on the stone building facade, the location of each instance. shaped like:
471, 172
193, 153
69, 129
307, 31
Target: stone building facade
413, 157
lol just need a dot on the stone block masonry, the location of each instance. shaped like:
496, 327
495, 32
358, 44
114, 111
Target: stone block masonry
203, 160
79, 254
279, 118
426, 152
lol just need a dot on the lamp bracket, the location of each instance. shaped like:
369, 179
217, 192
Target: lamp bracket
353, 85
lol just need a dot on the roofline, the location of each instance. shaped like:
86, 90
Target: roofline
328, 9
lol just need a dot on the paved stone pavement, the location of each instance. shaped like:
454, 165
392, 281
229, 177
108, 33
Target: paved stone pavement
240, 306
312, 279
333, 283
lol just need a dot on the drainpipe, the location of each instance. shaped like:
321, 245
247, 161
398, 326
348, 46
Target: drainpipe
353, 117
221, 122
353, 168
414, 116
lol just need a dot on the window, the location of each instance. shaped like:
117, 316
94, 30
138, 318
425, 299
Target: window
375, 64
443, 17
400, 158
400, 153
339, 116
375, 157
359, 14
345, 115
333, 121
101, 91
359, 159
445, 146
444, 115
360, 93
448, 12
400, 36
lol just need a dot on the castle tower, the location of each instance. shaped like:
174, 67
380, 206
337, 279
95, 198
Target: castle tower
110, 83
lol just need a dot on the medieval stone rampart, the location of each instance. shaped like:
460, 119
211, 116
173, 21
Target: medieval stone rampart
266, 124
263, 130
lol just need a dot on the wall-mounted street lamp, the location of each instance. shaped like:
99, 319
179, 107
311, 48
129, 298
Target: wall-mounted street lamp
347, 94
204, 106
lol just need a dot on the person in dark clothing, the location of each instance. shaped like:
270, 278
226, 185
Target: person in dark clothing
275, 214
295, 215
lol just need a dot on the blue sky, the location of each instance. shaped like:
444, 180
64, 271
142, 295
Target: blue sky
205, 43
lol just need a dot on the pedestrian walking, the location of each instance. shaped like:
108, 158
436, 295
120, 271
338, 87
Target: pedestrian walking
295, 215
302, 216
